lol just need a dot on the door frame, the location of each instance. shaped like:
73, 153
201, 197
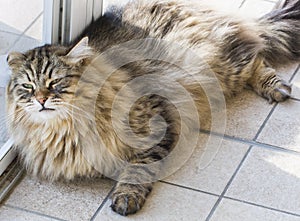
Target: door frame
64, 20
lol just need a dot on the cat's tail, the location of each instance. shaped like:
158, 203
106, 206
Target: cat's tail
281, 31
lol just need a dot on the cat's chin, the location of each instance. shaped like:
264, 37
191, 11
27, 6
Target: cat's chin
43, 116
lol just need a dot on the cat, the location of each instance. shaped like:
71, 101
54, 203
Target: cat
65, 125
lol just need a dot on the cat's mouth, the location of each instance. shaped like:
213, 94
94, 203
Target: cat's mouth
46, 109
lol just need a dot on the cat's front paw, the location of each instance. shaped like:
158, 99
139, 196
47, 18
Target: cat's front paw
127, 203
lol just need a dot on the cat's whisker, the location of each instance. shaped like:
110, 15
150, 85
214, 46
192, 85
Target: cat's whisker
5, 117
82, 112
73, 114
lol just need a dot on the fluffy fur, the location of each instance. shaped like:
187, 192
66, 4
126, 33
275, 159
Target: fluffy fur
62, 123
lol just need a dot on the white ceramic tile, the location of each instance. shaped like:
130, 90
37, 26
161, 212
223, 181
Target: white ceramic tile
166, 203
36, 30
7, 40
286, 72
245, 114
4, 71
230, 210
77, 200
6, 28
19, 14
10, 214
25, 43
269, 178
283, 128
214, 177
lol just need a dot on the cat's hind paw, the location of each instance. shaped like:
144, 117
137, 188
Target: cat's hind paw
279, 92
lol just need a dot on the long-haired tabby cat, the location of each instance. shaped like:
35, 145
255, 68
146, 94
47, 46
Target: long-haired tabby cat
48, 111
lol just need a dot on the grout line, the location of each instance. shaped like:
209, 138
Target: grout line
188, 188
262, 206
276, 148
294, 74
23, 33
291, 79
295, 99
10, 32
241, 5
103, 203
33, 212
265, 122
252, 142
228, 184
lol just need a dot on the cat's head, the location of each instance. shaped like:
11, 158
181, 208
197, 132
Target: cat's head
44, 79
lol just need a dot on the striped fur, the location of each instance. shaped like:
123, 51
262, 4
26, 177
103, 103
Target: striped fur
50, 94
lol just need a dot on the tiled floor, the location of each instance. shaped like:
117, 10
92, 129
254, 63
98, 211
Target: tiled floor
255, 175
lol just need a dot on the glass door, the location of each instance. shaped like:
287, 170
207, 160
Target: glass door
20, 30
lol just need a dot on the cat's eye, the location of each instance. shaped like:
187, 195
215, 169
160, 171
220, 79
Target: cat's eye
28, 86
54, 82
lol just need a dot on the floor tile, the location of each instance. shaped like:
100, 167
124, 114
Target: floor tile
269, 178
165, 203
7, 40
36, 30
245, 114
23, 13
215, 175
296, 86
25, 43
4, 71
283, 128
286, 72
230, 210
76, 200
11, 214
6, 28
256, 8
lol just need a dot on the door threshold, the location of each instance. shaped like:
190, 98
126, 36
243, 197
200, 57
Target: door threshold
7, 155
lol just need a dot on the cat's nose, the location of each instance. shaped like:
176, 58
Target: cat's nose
42, 100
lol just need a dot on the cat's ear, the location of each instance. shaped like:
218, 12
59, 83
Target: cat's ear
15, 59
80, 51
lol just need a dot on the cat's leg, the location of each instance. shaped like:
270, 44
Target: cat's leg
148, 162
266, 83
135, 183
